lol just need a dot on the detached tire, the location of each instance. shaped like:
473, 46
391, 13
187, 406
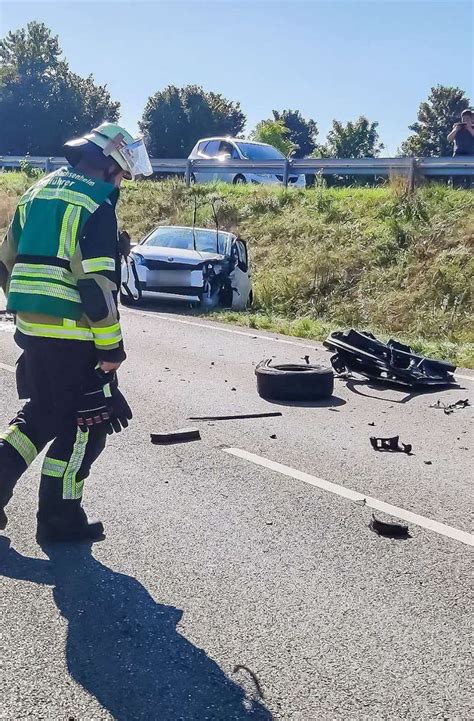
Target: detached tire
294, 382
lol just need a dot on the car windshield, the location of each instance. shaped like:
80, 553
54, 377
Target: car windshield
260, 152
184, 239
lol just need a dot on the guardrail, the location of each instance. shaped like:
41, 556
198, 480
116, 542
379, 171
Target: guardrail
376, 167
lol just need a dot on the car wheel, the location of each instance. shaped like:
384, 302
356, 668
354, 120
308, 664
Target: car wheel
239, 180
126, 300
294, 382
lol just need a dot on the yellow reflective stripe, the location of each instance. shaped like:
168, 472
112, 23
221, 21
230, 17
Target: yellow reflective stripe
22, 211
52, 290
64, 231
67, 237
73, 236
53, 467
69, 196
54, 331
31, 270
71, 489
21, 443
107, 336
95, 265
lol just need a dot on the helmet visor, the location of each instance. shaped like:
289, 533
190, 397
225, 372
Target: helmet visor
137, 159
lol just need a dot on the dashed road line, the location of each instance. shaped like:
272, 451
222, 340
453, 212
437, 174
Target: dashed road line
347, 493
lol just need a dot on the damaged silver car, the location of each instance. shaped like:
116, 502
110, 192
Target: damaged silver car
209, 267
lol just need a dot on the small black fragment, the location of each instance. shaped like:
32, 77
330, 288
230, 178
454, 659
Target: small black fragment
183, 435
388, 530
390, 444
273, 436
306, 359
428, 463
371, 424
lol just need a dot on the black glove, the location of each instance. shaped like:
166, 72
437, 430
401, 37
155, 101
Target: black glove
102, 404
120, 413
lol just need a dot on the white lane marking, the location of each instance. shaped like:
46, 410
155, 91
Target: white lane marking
4, 367
351, 495
211, 326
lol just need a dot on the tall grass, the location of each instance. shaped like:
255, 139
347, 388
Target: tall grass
379, 258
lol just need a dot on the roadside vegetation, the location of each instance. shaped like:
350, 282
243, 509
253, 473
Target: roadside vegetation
380, 259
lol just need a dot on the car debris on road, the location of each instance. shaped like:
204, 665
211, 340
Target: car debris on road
389, 530
294, 381
390, 444
391, 362
183, 435
451, 407
237, 416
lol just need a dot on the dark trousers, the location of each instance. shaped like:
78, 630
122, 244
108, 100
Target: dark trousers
51, 373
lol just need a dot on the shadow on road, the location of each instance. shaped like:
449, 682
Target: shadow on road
354, 386
124, 648
332, 402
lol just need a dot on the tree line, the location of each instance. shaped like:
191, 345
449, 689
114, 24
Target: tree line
43, 104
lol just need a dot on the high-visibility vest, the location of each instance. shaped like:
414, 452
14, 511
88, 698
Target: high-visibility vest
48, 223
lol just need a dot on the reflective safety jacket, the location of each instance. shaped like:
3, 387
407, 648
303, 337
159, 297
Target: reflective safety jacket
59, 262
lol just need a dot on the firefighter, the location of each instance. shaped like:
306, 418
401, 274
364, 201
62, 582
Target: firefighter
60, 270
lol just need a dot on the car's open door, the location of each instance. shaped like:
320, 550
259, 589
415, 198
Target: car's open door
240, 276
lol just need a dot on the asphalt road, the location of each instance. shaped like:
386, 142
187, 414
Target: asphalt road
214, 560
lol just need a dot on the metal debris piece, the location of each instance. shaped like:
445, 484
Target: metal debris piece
390, 362
306, 359
428, 463
451, 407
183, 435
390, 444
235, 417
371, 424
389, 530
273, 436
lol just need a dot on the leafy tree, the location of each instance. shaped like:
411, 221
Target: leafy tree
43, 103
274, 132
175, 118
436, 117
358, 139
301, 132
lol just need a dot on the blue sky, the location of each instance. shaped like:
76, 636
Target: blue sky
329, 59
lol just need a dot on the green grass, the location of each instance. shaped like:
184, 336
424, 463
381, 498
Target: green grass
461, 354
380, 259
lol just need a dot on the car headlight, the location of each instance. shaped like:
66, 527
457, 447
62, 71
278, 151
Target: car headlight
212, 268
139, 259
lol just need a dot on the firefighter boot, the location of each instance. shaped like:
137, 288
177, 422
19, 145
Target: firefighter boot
61, 519
72, 525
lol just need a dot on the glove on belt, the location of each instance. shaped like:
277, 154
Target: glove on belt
102, 404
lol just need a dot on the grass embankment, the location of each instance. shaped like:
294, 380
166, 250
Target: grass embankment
380, 259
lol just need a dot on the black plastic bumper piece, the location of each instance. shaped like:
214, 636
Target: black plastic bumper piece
390, 362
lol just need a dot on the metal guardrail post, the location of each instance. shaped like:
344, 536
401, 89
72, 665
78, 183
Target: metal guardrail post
47, 165
411, 173
187, 175
286, 172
